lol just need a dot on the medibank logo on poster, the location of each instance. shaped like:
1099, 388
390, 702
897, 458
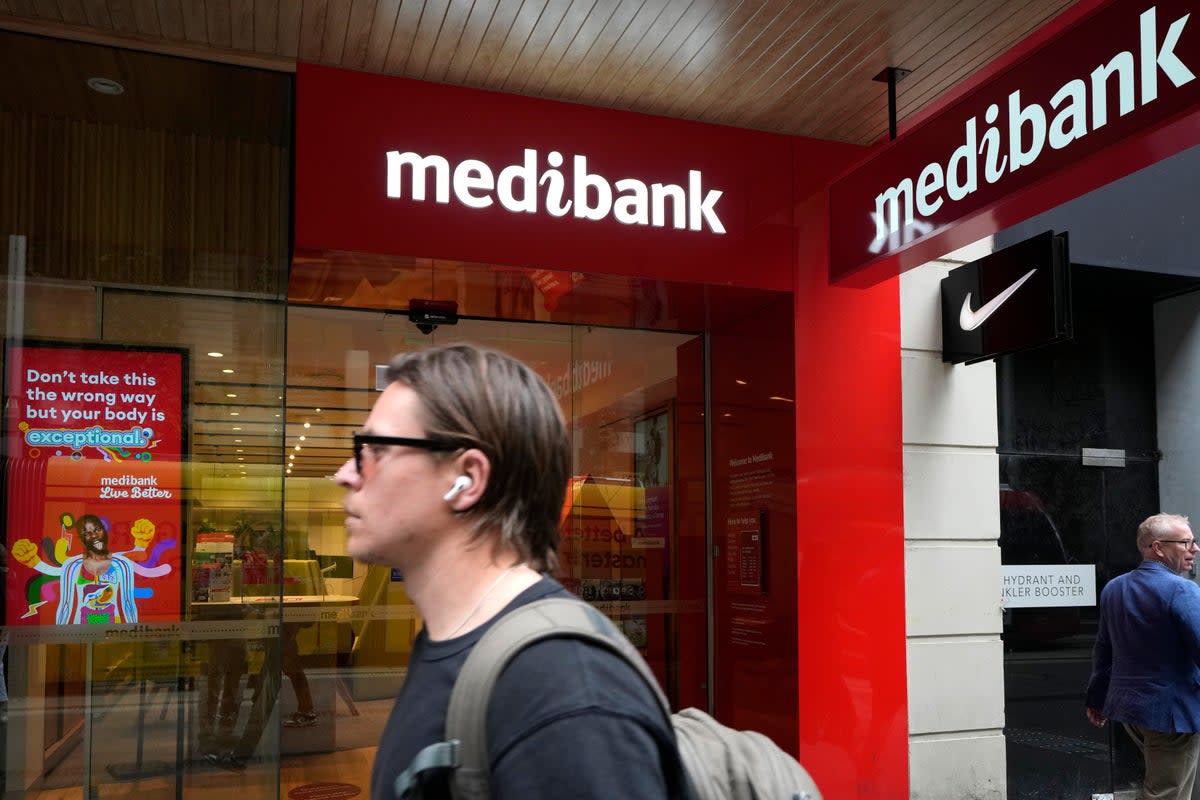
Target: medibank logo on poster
520, 189
1078, 107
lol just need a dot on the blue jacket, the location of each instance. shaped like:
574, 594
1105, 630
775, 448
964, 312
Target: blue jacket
1146, 662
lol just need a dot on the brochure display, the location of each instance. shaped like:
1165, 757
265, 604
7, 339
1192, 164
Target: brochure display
94, 444
212, 567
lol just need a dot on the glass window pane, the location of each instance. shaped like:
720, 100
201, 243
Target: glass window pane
145, 229
622, 536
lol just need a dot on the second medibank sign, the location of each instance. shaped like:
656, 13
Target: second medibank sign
1119, 70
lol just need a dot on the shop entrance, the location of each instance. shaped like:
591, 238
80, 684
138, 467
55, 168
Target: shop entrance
264, 660
1095, 435
632, 537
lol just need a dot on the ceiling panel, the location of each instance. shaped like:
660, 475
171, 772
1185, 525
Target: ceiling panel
800, 67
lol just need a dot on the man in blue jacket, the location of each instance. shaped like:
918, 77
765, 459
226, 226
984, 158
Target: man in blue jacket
1146, 663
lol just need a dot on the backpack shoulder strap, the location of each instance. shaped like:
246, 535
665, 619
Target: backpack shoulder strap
553, 617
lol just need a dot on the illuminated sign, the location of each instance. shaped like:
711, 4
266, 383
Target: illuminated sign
524, 189
387, 165
1010, 300
1127, 68
1078, 107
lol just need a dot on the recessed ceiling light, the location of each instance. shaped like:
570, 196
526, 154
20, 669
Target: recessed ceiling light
307, 425
297, 447
230, 394
302, 438
234, 414
227, 371
215, 354
236, 428
105, 86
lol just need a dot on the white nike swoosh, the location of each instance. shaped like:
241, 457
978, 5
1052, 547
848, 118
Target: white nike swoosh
969, 320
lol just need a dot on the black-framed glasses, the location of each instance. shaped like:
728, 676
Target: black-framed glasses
1187, 543
362, 439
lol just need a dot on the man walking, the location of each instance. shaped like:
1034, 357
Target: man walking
1146, 662
457, 480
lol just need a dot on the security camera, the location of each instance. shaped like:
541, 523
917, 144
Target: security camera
428, 314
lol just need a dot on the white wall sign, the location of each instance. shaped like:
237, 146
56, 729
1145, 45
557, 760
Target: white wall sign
1041, 585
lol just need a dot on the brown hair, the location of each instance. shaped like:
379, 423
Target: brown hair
490, 401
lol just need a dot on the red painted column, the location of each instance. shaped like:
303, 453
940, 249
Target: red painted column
850, 527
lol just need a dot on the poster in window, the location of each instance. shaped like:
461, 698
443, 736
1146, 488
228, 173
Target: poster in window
94, 439
652, 473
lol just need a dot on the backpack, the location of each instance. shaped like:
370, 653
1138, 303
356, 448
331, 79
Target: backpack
720, 763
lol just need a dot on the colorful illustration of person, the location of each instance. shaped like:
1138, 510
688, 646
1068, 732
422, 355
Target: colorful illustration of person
96, 586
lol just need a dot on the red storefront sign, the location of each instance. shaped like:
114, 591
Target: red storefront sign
1116, 76
393, 166
94, 438
479, 153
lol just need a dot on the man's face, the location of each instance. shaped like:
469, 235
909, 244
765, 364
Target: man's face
394, 507
94, 537
1179, 557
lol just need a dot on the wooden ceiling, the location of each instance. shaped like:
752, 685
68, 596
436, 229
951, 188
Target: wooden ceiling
801, 67
44, 76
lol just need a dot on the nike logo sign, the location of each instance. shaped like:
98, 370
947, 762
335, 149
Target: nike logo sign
969, 320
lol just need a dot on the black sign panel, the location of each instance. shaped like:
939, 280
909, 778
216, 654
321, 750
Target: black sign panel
1013, 299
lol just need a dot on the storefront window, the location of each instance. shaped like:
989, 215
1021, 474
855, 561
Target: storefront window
619, 389
180, 610
146, 238
1095, 434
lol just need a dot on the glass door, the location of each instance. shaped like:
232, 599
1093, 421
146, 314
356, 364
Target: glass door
626, 543
1096, 434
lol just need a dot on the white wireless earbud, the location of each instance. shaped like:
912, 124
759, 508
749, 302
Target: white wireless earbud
460, 483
